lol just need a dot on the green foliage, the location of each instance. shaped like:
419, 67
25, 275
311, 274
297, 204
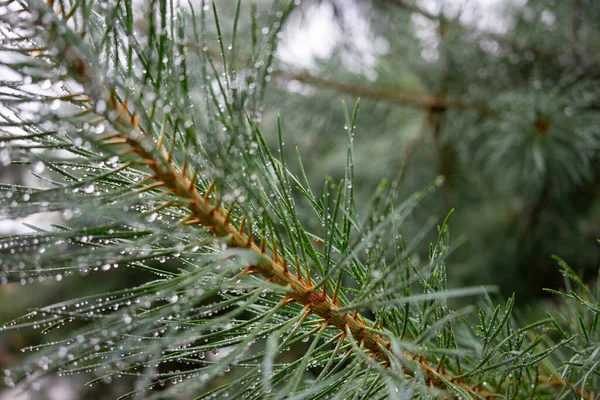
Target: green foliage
497, 97
235, 277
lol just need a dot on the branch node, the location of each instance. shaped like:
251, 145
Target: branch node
207, 194
286, 271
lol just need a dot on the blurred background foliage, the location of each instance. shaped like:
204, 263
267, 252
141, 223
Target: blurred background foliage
500, 97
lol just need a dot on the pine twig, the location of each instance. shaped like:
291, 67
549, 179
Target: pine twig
415, 100
412, 99
72, 52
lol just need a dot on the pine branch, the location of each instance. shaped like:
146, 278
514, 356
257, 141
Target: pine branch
153, 175
415, 100
412, 99
203, 212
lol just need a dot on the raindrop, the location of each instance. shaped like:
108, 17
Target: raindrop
4, 157
100, 106
39, 167
151, 217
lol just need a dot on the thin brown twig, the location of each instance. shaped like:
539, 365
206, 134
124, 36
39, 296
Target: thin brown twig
213, 218
407, 99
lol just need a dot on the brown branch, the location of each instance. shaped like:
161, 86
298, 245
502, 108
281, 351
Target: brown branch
177, 182
436, 118
561, 384
167, 176
407, 99
215, 219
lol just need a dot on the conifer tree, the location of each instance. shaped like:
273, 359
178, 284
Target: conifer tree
156, 131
